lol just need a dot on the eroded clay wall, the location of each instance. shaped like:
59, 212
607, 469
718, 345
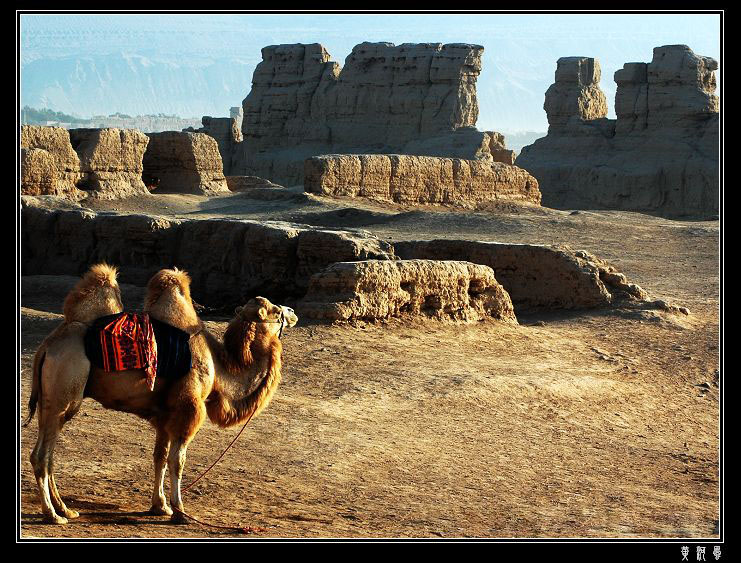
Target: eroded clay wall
386, 96
661, 153
419, 179
377, 289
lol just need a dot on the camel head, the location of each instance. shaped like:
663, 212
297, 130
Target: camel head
97, 294
274, 318
168, 299
255, 329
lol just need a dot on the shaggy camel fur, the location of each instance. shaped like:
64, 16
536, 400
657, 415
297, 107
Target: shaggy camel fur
229, 382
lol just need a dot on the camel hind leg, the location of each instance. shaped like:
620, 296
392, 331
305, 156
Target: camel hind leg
42, 462
60, 399
57, 501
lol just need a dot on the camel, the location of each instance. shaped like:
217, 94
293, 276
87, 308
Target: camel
229, 382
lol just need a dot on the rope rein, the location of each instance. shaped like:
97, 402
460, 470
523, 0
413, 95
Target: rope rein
242, 529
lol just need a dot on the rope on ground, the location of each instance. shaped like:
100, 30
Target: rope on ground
242, 529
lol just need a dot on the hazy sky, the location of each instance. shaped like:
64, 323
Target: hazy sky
518, 64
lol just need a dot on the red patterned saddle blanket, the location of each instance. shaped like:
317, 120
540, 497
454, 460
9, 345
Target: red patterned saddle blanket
126, 341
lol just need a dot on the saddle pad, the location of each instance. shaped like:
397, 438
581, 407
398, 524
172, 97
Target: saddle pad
174, 358
123, 341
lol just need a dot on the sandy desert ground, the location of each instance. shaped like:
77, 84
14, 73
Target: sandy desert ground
573, 424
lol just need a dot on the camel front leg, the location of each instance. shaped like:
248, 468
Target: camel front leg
176, 464
181, 429
161, 449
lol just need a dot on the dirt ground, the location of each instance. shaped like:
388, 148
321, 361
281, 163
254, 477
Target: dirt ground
582, 424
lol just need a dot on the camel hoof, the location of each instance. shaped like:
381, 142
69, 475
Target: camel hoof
178, 518
69, 513
160, 510
54, 519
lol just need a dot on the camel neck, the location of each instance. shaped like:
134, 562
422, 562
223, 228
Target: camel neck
237, 395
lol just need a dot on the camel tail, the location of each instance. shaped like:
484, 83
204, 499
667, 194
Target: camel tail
38, 362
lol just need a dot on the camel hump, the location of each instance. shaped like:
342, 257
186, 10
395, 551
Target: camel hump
103, 274
95, 295
168, 299
166, 280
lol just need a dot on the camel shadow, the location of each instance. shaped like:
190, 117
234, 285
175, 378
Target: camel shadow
106, 514
102, 513
107, 518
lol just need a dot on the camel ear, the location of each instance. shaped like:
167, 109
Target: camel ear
238, 310
262, 312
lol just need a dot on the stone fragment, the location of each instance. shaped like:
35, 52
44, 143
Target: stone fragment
243, 183
466, 143
400, 288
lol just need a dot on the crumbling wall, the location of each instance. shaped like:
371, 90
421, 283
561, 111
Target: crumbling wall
419, 179
184, 162
227, 131
111, 161
278, 259
661, 153
245, 183
49, 164
535, 276
382, 289
79, 163
575, 92
385, 97
229, 261
39, 173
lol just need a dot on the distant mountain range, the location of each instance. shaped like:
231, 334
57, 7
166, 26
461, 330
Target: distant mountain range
133, 84
192, 65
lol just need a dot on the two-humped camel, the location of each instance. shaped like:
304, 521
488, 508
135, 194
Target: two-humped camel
229, 381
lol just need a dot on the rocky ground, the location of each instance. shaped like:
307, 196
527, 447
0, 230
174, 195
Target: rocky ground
579, 424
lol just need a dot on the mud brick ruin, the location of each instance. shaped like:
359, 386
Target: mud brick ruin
395, 124
659, 155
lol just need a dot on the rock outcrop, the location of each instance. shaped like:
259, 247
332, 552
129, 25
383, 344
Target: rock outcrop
111, 161
49, 164
385, 97
536, 276
184, 162
229, 261
659, 156
419, 179
382, 289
